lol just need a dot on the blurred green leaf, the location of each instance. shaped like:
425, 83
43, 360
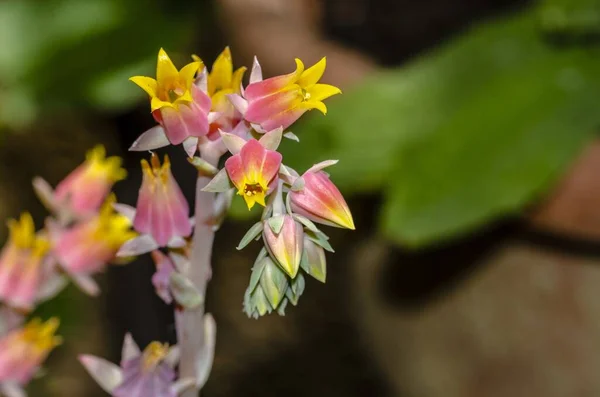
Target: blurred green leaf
466, 133
65, 54
239, 209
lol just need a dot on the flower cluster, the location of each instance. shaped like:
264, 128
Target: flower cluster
212, 115
80, 238
293, 244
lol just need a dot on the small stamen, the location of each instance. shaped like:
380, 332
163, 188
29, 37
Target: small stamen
252, 189
305, 94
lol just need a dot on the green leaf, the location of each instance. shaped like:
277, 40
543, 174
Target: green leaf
250, 235
508, 138
273, 283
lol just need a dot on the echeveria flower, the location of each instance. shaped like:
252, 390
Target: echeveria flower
177, 104
23, 350
162, 210
280, 101
23, 269
284, 237
149, 373
84, 190
252, 170
87, 247
222, 81
320, 200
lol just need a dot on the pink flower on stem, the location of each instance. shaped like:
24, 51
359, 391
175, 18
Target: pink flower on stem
87, 247
149, 373
84, 190
280, 101
161, 216
320, 200
221, 82
162, 210
23, 266
284, 237
179, 106
253, 170
23, 350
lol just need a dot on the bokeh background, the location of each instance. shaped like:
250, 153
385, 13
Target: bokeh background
467, 144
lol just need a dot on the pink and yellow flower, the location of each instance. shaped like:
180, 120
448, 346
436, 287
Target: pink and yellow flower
22, 265
149, 373
253, 170
87, 247
222, 81
286, 245
177, 104
84, 190
321, 201
162, 210
23, 350
280, 101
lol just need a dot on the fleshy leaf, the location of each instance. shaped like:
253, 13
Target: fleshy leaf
203, 166
207, 355
184, 291
272, 139
291, 136
233, 143
298, 184
153, 139
276, 223
220, 183
257, 269
106, 374
273, 282
250, 235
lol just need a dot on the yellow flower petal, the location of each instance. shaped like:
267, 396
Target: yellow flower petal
236, 79
185, 99
22, 231
312, 75
187, 73
156, 104
309, 105
147, 84
299, 69
221, 72
165, 70
319, 92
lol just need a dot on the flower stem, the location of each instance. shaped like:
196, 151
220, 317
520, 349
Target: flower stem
190, 322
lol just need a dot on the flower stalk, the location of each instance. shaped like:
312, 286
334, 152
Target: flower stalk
191, 331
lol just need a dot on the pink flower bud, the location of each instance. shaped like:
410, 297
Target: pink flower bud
162, 210
23, 350
284, 239
253, 170
84, 189
321, 201
22, 267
